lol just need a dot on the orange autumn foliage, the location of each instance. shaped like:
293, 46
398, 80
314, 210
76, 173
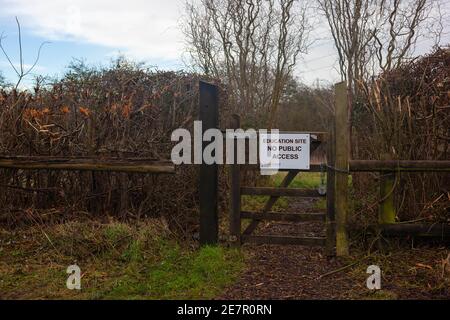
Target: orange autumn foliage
126, 110
65, 109
32, 113
85, 111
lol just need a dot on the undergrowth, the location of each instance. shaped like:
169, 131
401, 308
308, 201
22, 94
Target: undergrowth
117, 261
414, 273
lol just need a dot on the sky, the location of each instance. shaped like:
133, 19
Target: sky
144, 30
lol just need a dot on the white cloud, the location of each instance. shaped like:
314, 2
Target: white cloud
149, 29
141, 28
26, 66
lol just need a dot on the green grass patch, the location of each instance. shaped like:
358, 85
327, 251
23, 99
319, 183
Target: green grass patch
200, 274
304, 180
256, 203
320, 204
118, 261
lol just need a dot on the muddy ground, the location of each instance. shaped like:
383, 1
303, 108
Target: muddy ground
299, 272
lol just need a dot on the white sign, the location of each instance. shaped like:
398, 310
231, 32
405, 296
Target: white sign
284, 151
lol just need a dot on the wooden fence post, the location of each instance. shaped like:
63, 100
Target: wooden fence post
235, 209
209, 116
387, 211
331, 221
341, 166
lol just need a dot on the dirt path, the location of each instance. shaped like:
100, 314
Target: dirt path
290, 272
296, 272
278, 272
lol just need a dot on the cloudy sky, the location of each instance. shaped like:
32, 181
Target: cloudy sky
146, 30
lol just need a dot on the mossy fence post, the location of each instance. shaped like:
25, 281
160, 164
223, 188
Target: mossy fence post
387, 212
331, 183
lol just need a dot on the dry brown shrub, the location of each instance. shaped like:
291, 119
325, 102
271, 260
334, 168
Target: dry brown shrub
123, 111
405, 113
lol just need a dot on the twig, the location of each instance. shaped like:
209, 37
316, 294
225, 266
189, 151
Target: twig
22, 73
342, 268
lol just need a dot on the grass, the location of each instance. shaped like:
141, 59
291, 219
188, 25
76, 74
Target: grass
179, 275
117, 261
256, 203
305, 180
407, 273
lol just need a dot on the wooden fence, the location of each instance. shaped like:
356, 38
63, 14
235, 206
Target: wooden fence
388, 169
130, 165
237, 236
339, 167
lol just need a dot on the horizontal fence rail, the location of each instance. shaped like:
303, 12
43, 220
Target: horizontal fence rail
387, 212
419, 229
285, 240
276, 216
314, 167
136, 165
399, 165
281, 192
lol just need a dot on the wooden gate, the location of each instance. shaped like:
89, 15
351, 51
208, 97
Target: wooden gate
339, 166
237, 236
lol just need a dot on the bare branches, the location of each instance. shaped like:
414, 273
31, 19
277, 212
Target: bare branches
373, 35
20, 70
353, 25
252, 45
401, 31
121, 111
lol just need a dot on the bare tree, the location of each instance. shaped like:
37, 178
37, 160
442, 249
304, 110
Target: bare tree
20, 69
375, 35
253, 45
404, 22
350, 23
